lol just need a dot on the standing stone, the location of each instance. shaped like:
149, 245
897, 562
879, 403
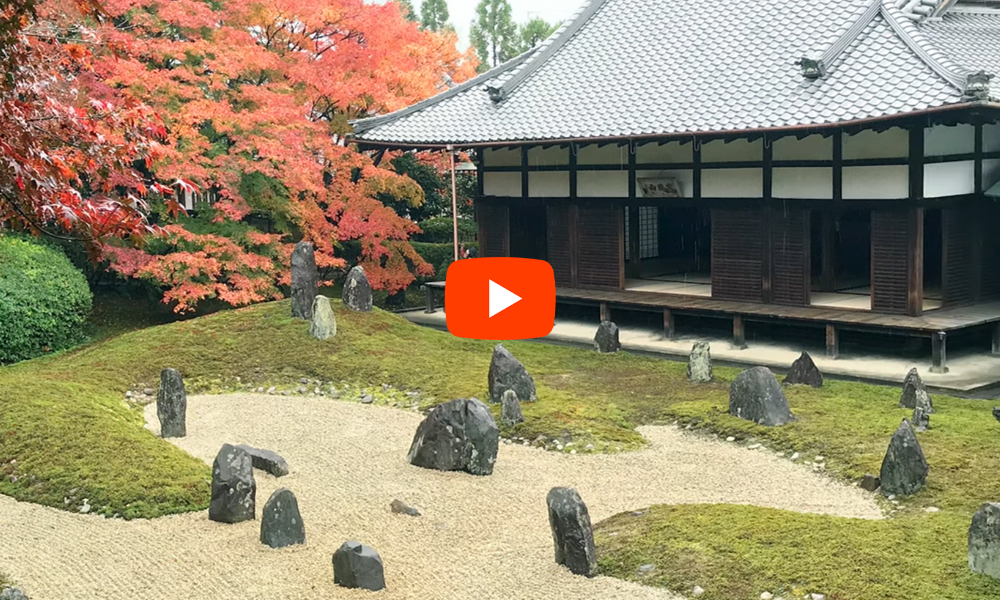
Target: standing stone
506, 373
914, 392
280, 523
870, 483
171, 405
357, 291
921, 417
459, 435
572, 533
234, 489
305, 280
700, 363
606, 339
996, 413
984, 541
13, 593
324, 323
804, 372
755, 395
904, 469
510, 409
358, 566
266, 460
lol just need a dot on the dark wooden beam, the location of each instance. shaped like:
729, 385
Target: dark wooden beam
573, 190
574, 244
669, 329
524, 172
939, 352
632, 150
767, 260
838, 166
739, 333
634, 264
979, 159
828, 277
696, 169
996, 339
832, 341
915, 264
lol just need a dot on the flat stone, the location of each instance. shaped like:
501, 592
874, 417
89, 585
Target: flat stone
357, 291
401, 508
266, 460
171, 404
323, 325
280, 522
510, 409
755, 395
914, 392
305, 280
646, 568
607, 338
699, 368
904, 468
358, 566
870, 483
507, 373
572, 532
459, 435
367, 399
804, 372
697, 591
234, 489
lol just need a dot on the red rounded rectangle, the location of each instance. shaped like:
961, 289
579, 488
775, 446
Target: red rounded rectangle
500, 298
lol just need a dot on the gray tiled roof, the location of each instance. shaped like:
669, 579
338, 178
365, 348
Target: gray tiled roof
673, 67
971, 39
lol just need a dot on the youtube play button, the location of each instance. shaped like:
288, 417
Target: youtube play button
500, 298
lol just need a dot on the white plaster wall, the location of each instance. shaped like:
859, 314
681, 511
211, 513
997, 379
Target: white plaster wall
547, 184
941, 140
734, 151
502, 184
892, 143
502, 157
877, 183
602, 184
991, 173
732, 183
813, 147
674, 152
556, 156
950, 179
685, 177
991, 137
611, 154
802, 182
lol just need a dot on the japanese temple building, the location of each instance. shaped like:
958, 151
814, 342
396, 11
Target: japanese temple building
824, 163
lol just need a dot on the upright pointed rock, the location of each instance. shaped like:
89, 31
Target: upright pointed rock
358, 566
280, 522
234, 489
357, 291
984, 541
507, 373
305, 280
904, 468
755, 395
324, 323
914, 392
460, 435
699, 369
510, 409
572, 533
171, 404
607, 338
804, 372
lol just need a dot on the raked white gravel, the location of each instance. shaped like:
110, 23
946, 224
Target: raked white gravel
480, 538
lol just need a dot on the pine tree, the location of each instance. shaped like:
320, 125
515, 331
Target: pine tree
406, 7
494, 33
434, 14
536, 31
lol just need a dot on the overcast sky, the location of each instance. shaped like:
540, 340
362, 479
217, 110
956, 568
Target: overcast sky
463, 11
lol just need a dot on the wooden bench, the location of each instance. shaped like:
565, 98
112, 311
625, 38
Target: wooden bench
430, 289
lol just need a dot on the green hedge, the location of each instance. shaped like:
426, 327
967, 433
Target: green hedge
44, 300
440, 230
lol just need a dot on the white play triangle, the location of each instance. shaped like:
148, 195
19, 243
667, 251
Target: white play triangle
501, 298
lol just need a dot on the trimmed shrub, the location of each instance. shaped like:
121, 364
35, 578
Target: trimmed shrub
440, 256
44, 300
439, 231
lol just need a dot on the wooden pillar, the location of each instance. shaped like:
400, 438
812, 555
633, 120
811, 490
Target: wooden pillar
668, 324
634, 270
996, 339
828, 278
915, 264
739, 333
605, 312
832, 341
939, 352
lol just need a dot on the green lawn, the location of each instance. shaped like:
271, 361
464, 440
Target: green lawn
63, 420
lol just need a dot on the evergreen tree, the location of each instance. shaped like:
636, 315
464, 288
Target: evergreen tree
494, 33
434, 14
406, 7
536, 31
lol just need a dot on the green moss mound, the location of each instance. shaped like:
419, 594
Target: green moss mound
44, 300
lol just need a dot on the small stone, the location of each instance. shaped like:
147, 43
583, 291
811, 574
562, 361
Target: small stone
607, 338
572, 533
280, 522
171, 405
646, 568
300, 390
367, 399
305, 280
358, 566
637, 513
510, 409
699, 369
148, 392
85, 508
589, 447
272, 390
755, 395
804, 372
753, 446
730, 439
506, 373
286, 393
794, 457
904, 468
234, 489
266, 460
891, 497
932, 509
401, 508
357, 291
13, 593
766, 596
817, 596
572, 451
559, 446
323, 325
304, 380
129, 394
820, 458
259, 390
697, 591
914, 393
870, 483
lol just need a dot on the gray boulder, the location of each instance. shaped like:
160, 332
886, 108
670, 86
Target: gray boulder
755, 395
234, 490
171, 404
870, 483
506, 373
510, 409
984, 541
324, 324
606, 339
459, 435
358, 566
305, 280
914, 392
13, 593
804, 372
266, 460
357, 291
700, 363
280, 522
904, 468
572, 532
